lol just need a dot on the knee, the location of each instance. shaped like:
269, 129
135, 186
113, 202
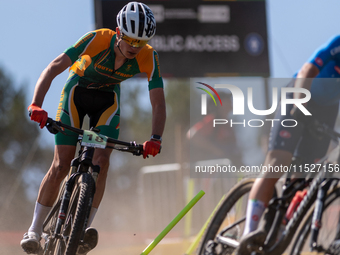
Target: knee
278, 157
103, 161
58, 171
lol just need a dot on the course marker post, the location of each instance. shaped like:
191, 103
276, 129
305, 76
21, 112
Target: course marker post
173, 223
200, 234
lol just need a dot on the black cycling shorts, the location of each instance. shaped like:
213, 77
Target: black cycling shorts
298, 140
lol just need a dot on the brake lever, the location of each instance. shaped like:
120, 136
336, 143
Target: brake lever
53, 128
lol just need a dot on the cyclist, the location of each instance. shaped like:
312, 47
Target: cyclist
285, 142
219, 142
99, 61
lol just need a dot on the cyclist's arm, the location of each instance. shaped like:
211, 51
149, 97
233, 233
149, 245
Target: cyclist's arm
158, 110
316, 63
304, 78
57, 66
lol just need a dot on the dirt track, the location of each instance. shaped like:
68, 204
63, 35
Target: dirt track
9, 245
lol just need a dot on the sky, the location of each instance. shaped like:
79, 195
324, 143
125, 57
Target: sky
35, 32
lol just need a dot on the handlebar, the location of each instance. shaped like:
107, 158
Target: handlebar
54, 127
320, 130
315, 127
325, 130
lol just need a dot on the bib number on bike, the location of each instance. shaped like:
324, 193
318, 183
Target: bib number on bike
92, 139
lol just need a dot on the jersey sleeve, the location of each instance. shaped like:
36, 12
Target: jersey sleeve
326, 53
149, 63
90, 44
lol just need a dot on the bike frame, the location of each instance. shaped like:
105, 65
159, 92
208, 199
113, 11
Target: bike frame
318, 188
79, 165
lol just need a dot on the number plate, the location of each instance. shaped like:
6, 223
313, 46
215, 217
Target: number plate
92, 139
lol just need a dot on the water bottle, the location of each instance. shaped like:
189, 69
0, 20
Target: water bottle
294, 204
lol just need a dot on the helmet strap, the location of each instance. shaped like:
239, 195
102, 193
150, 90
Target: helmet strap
119, 40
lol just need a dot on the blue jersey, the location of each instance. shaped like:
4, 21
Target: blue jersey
326, 86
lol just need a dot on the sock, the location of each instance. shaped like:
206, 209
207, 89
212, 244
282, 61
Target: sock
91, 217
40, 213
255, 210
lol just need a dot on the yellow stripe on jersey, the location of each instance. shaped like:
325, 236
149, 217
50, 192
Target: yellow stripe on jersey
74, 117
109, 113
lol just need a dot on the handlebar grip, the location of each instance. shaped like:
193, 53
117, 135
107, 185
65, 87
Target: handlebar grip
49, 121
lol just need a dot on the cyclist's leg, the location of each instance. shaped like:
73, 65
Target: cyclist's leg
101, 158
48, 192
104, 115
263, 188
282, 144
49, 188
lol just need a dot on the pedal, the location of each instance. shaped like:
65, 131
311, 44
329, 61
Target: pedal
228, 241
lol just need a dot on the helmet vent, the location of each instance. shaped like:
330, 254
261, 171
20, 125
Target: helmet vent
133, 26
141, 21
124, 22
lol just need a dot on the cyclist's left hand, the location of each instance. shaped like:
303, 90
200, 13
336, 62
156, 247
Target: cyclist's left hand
151, 148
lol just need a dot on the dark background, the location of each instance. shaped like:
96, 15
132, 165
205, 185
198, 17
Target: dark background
246, 17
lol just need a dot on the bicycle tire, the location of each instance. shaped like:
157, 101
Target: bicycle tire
237, 193
305, 226
53, 247
57, 246
50, 224
79, 208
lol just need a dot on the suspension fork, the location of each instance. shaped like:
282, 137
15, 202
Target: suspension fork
85, 163
86, 159
317, 214
65, 203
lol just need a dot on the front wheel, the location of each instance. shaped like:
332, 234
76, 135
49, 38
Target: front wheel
231, 213
76, 217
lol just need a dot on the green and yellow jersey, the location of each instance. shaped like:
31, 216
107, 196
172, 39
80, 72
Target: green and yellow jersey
93, 59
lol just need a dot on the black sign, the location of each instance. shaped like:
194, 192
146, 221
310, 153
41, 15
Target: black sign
203, 38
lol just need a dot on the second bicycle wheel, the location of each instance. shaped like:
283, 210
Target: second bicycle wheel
230, 214
328, 230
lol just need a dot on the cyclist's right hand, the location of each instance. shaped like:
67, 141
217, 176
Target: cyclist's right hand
151, 148
38, 115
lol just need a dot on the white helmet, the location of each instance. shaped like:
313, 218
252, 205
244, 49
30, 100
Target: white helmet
136, 20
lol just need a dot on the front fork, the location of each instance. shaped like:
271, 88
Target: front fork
84, 160
64, 203
317, 216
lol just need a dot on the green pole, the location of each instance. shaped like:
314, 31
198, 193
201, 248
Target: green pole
173, 223
200, 234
